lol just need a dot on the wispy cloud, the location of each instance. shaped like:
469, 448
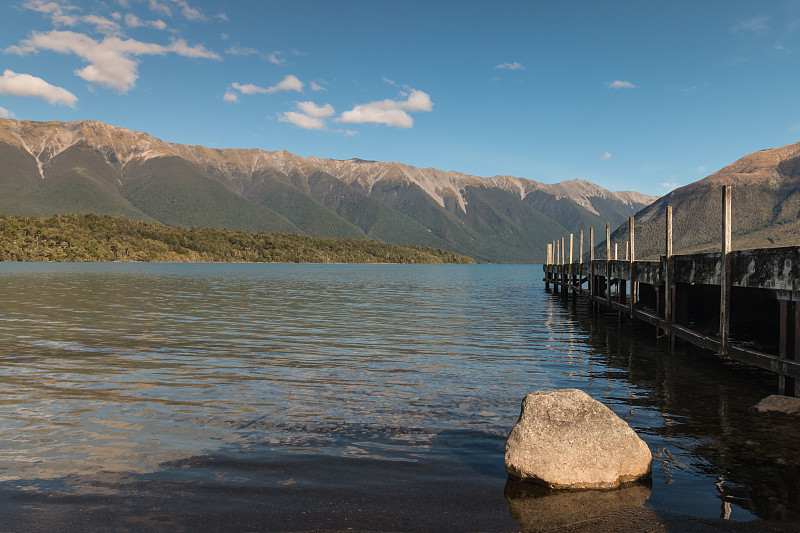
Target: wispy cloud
242, 51
132, 21
606, 156
5, 113
289, 83
511, 66
318, 86
389, 112
33, 87
275, 58
670, 185
249, 88
619, 84
112, 61
752, 25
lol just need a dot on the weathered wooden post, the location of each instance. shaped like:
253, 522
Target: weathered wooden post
725, 281
570, 278
669, 292
557, 270
608, 264
632, 266
548, 262
580, 265
591, 267
784, 299
564, 287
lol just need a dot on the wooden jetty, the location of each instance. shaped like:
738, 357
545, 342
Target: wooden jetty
742, 304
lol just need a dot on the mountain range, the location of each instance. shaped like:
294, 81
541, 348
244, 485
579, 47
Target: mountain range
51, 168
765, 208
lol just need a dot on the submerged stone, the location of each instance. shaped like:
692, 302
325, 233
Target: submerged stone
565, 439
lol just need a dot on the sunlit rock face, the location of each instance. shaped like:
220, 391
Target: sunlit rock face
565, 439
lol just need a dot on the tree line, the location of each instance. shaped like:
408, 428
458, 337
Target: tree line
90, 237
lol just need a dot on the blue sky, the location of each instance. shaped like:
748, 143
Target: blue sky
630, 95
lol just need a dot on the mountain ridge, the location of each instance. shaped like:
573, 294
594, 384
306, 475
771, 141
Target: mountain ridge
179, 184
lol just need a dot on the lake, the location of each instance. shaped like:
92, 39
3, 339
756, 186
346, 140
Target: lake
296, 397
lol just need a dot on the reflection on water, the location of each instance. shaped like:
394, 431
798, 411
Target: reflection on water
538, 508
332, 396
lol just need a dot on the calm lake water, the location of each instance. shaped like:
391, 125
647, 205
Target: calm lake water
297, 397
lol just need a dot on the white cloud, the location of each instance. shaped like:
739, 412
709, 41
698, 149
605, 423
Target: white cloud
158, 7
275, 59
670, 185
347, 133
317, 87
230, 96
132, 21
310, 116
313, 110
101, 24
33, 87
302, 121
389, 112
5, 113
58, 12
606, 156
289, 83
111, 61
248, 88
619, 84
511, 66
753, 25
189, 12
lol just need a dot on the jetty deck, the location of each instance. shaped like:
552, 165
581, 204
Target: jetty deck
742, 304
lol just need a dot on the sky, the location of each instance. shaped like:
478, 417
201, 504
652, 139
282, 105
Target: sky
644, 96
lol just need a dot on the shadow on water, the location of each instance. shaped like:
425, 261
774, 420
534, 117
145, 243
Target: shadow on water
706, 429
253, 488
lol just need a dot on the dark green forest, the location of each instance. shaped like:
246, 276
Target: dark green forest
105, 238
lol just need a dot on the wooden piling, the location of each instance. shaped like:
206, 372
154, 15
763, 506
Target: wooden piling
632, 266
608, 263
725, 281
571, 278
592, 281
669, 292
687, 282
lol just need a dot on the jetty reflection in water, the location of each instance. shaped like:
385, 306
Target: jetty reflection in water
291, 397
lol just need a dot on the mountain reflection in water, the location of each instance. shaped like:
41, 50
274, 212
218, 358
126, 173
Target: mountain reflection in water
292, 397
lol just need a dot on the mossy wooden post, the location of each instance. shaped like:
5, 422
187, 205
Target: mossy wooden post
725, 274
608, 264
669, 292
632, 266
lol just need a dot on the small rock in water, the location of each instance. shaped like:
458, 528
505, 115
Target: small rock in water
565, 439
779, 405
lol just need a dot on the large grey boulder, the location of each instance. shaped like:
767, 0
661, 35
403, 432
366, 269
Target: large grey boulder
778, 405
565, 439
